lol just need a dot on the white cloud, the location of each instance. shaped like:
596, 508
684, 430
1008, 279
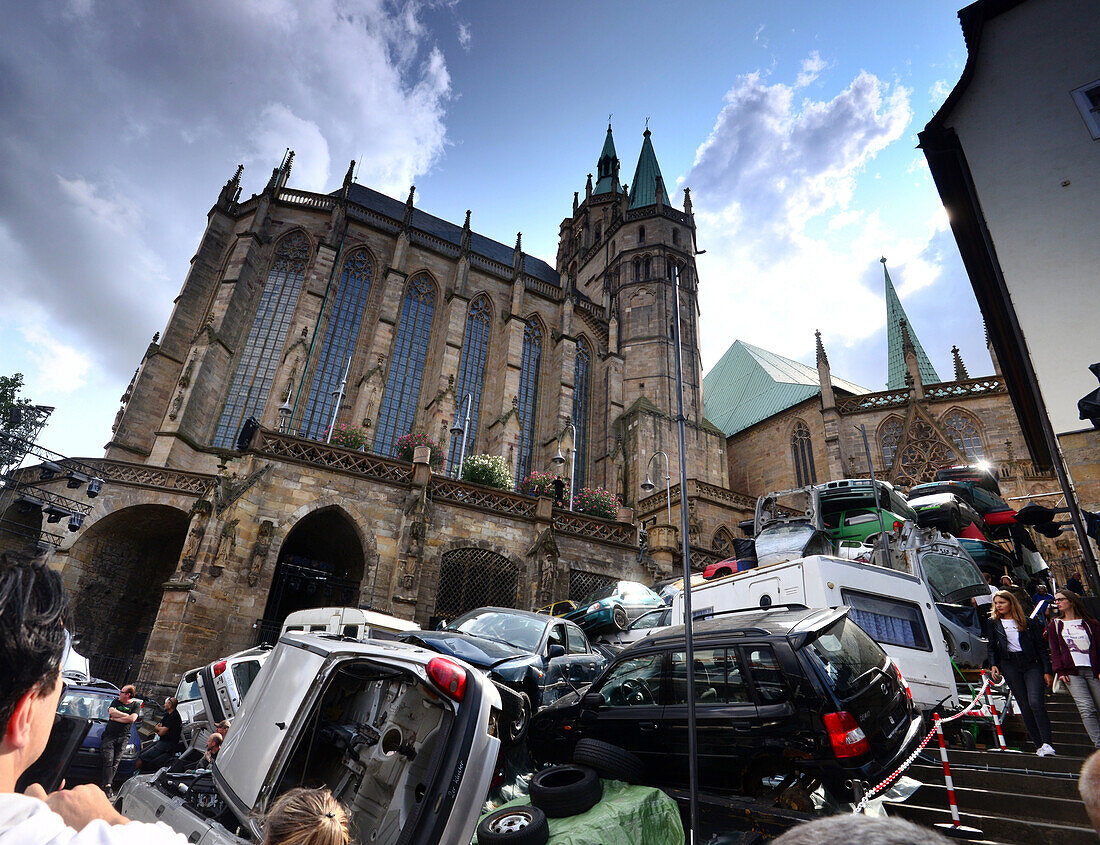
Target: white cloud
939, 91
100, 204
811, 69
464, 36
278, 128
58, 368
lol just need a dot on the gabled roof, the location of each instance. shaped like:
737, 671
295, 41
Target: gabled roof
449, 232
607, 167
895, 314
750, 384
643, 190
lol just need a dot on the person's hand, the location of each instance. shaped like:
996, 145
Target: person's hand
79, 806
1048, 680
995, 674
1064, 679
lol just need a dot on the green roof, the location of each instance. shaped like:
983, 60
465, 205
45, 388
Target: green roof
643, 190
895, 314
607, 167
750, 384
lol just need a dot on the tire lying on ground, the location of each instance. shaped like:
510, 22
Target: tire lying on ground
525, 825
608, 760
562, 791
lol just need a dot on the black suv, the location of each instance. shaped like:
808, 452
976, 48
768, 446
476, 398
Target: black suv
783, 698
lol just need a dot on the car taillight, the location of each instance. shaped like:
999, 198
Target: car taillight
846, 735
448, 676
897, 525
901, 680
219, 667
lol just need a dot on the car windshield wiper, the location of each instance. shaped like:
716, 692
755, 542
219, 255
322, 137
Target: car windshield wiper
480, 636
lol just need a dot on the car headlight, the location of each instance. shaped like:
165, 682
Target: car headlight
129, 751
593, 608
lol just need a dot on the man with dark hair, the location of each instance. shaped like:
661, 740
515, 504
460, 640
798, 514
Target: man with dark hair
169, 739
32, 639
122, 713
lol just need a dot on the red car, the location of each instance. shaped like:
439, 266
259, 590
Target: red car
723, 567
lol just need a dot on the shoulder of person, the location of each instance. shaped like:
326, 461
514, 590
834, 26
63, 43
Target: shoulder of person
134, 833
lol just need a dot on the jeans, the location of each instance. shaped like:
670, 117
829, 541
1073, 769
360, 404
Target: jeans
1085, 689
1027, 685
110, 752
159, 754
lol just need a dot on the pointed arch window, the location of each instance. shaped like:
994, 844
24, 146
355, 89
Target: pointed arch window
802, 451
722, 542
410, 350
341, 334
647, 266
890, 437
641, 234
527, 401
963, 432
637, 269
581, 365
599, 232
260, 357
675, 237
471, 372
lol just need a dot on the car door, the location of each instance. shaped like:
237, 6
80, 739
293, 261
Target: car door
781, 729
578, 667
630, 712
725, 715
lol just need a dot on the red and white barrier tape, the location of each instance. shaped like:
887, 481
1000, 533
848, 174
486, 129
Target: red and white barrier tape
937, 722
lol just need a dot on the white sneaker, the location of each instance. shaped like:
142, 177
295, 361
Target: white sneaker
1045, 750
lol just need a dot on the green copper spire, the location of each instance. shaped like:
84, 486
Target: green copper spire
607, 168
643, 190
895, 337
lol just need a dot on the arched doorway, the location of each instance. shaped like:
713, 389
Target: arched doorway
320, 564
124, 558
471, 578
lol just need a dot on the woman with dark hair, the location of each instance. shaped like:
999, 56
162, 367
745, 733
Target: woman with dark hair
1074, 637
1018, 650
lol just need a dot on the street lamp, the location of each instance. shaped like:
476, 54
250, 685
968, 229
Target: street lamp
648, 485
338, 395
284, 415
456, 429
559, 459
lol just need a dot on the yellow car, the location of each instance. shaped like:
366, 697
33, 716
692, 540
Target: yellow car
558, 608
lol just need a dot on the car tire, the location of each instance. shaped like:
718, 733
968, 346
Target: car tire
562, 791
618, 617
524, 825
515, 724
723, 572
608, 760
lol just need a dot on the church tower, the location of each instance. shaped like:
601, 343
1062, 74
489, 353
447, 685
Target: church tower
619, 249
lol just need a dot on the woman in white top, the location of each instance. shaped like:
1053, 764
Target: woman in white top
1074, 637
1018, 651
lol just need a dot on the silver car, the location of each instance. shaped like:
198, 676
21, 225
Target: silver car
402, 736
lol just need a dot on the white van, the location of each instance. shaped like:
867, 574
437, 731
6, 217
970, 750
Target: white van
351, 622
893, 606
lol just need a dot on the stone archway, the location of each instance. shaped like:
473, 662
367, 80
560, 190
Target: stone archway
320, 564
124, 559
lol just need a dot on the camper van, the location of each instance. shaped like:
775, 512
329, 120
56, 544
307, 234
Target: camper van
347, 622
893, 606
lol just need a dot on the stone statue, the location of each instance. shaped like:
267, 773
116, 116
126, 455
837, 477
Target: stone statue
258, 557
227, 545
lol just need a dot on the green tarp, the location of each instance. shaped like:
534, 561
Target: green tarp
626, 815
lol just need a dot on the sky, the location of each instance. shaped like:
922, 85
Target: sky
793, 122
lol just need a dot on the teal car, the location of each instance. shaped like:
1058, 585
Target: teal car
614, 606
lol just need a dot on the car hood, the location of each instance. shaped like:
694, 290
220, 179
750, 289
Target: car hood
474, 650
94, 737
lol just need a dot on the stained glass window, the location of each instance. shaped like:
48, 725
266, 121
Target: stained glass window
410, 349
802, 450
527, 402
251, 382
722, 542
581, 365
890, 436
962, 430
471, 374
341, 334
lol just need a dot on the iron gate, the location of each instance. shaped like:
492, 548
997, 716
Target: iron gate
302, 585
472, 578
582, 584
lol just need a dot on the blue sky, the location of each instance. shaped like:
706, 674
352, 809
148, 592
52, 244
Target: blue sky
794, 124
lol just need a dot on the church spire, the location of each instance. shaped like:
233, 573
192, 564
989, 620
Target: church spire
644, 188
898, 330
607, 168
960, 368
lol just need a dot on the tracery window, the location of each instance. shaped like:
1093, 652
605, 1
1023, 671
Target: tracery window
527, 401
802, 451
410, 349
251, 382
889, 437
581, 364
962, 430
471, 374
722, 542
923, 453
341, 334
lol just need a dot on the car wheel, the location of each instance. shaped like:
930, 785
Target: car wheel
562, 791
723, 572
525, 825
618, 617
518, 721
608, 760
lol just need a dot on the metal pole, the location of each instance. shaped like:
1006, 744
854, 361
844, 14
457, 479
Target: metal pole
668, 489
339, 394
874, 496
572, 462
468, 401
693, 751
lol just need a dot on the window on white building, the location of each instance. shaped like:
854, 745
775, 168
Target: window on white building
1087, 98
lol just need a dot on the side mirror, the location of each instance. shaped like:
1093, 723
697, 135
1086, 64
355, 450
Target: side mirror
592, 701
556, 650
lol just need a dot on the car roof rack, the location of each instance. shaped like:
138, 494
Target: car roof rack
752, 609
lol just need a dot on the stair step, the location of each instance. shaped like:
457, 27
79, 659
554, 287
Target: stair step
1015, 804
996, 828
1027, 762
1004, 782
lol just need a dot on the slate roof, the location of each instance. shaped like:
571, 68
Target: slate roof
643, 190
449, 232
896, 355
750, 384
605, 166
